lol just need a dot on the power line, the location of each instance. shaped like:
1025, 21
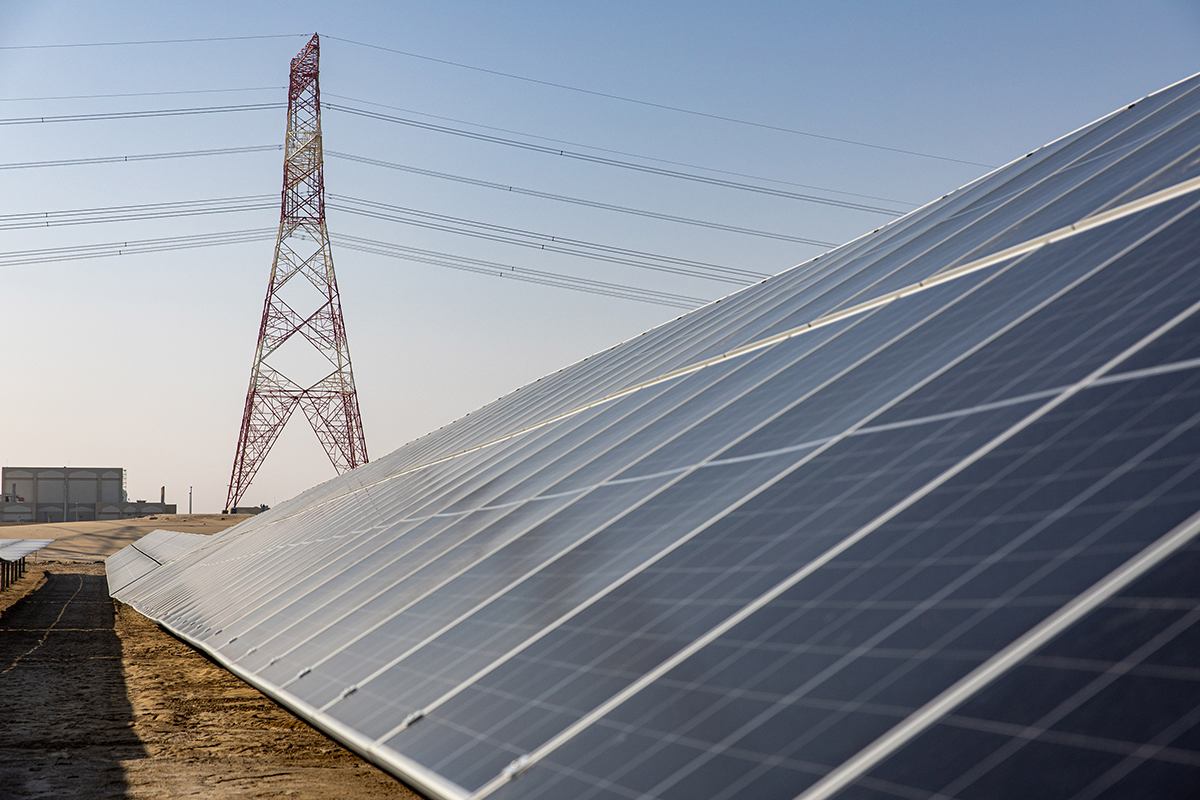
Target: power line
510, 272
140, 94
612, 161
153, 41
542, 241
39, 257
575, 200
18, 258
592, 92
621, 152
384, 211
662, 106
165, 112
130, 213
172, 112
75, 162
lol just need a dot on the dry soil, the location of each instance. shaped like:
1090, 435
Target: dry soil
96, 701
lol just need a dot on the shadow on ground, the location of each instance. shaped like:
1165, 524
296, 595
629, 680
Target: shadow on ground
65, 718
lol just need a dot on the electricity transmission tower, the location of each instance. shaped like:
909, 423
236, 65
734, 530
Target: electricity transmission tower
301, 330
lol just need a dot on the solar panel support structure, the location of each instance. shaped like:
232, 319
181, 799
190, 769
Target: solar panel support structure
302, 255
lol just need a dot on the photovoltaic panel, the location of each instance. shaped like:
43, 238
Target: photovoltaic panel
774, 547
1112, 707
147, 553
16, 549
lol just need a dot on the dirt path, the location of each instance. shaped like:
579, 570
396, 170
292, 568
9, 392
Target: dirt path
98, 702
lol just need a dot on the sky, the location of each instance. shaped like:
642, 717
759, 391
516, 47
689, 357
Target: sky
142, 360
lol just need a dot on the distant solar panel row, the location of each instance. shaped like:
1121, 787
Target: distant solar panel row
16, 549
148, 553
794, 543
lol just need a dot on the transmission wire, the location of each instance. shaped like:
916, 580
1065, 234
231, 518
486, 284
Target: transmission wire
152, 41
575, 200
620, 152
663, 106
20, 258
611, 161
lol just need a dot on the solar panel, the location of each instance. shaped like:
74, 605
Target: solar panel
780, 545
147, 553
16, 549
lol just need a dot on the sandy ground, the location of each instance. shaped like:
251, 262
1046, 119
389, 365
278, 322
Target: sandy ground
92, 541
98, 702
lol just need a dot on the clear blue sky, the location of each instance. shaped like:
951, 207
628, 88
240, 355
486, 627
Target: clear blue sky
143, 360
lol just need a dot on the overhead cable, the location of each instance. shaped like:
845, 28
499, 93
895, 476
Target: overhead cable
542, 241
575, 200
140, 94
592, 92
612, 161
17, 258
153, 41
173, 112
163, 112
387, 212
129, 213
75, 162
510, 272
663, 106
639, 156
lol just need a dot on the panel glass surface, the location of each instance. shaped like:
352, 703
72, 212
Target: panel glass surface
706, 563
1109, 709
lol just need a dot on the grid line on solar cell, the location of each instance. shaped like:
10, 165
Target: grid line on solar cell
699, 642
713, 750
987, 673
612, 482
825, 444
1042, 727
1135, 695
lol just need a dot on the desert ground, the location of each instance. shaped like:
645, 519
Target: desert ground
93, 541
99, 702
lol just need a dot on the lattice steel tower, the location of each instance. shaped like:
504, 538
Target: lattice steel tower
303, 262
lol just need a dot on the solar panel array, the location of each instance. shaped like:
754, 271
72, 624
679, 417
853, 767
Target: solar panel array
148, 553
16, 549
904, 521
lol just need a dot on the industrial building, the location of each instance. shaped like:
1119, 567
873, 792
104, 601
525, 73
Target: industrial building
70, 494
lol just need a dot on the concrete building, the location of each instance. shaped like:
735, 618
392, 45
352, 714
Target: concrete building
55, 494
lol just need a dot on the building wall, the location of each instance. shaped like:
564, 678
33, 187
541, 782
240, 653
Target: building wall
36, 494
53, 512
78, 484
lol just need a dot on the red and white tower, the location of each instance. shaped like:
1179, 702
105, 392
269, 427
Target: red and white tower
302, 329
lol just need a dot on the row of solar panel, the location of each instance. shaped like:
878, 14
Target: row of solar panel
147, 554
16, 549
731, 581
1153, 139
855, 478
